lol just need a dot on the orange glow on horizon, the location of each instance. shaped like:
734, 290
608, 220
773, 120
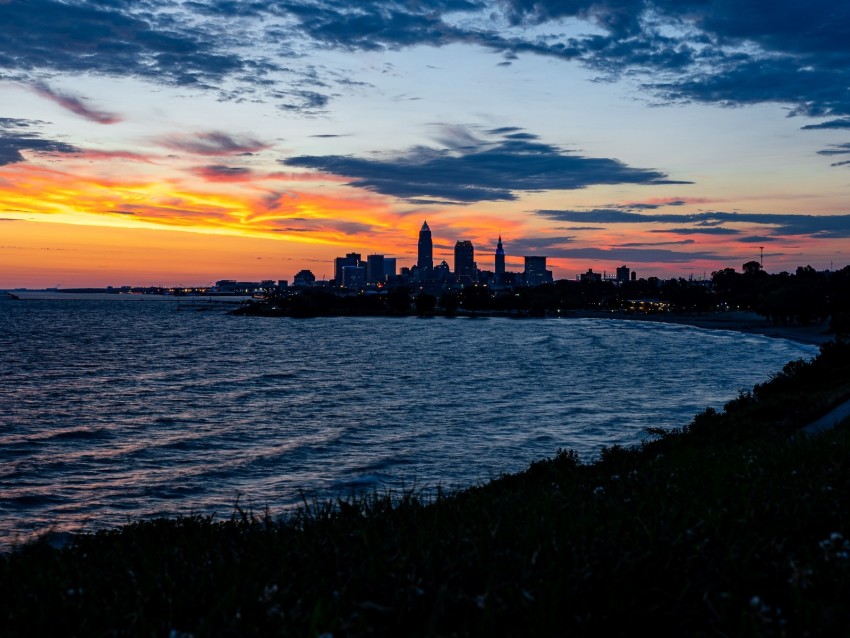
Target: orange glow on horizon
115, 218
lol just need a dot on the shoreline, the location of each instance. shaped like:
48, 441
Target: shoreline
747, 322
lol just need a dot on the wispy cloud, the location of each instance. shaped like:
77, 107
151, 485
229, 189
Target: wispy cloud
700, 230
219, 173
841, 123
837, 149
213, 143
75, 105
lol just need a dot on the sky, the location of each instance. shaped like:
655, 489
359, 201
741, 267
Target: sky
145, 142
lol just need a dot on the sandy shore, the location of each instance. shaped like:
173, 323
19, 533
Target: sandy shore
740, 321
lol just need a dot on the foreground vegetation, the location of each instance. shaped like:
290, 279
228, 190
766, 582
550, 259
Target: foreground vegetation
737, 524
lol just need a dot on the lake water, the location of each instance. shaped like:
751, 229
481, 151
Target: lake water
113, 411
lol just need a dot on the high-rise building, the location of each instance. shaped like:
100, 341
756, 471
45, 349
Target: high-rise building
389, 266
425, 259
354, 277
535, 271
465, 262
500, 261
351, 259
375, 269
622, 274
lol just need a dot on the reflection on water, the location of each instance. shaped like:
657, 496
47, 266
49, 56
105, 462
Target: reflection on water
118, 411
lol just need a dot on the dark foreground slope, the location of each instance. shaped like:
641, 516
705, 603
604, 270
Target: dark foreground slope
733, 526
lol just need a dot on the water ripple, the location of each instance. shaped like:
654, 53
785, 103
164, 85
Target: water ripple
113, 412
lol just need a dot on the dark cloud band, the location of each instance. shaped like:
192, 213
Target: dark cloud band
824, 226
472, 169
18, 135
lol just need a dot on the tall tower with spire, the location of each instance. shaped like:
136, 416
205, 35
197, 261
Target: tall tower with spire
425, 259
500, 260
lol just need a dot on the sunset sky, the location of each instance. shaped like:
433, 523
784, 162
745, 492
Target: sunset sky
148, 142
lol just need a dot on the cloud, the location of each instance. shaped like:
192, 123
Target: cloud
598, 216
219, 173
838, 149
640, 244
769, 51
303, 100
375, 25
468, 168
537, 245
757, 239
841, 123
655, 203
213, 143
722, 53
147, 40
834, 226
640, 255
306, 225
75, 105
701, 230
94, 155
16, 135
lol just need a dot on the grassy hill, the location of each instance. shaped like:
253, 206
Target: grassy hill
737, 524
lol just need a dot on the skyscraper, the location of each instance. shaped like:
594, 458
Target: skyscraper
375, 269
500, 260
535, 271
389, 266
350, 259
465, 262
426, 249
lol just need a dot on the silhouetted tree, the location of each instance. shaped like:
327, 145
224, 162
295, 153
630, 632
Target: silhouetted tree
425, 303
475, 298
398, 301
449, 302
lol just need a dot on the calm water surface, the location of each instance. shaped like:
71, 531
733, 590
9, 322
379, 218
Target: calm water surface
113, 411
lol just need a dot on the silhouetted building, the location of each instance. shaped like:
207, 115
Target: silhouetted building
351, 259
248, 287
389, 266
590, 276
353, 277
623, 274
500, 261
304, 278
464, 262
375, 269
442, 273
225, 285
535, 271
425, 259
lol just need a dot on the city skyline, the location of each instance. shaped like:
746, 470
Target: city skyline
161, 142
